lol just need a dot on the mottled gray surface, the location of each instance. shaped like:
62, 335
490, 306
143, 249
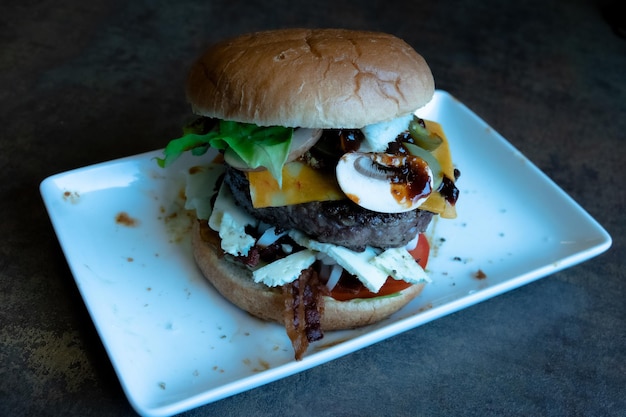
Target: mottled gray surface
84, 82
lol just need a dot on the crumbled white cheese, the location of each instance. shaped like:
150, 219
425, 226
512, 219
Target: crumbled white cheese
356, 263
235, 240
230, 221
398, 263
284, 270
378, 135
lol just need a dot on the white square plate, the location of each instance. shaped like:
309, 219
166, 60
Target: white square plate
176, 344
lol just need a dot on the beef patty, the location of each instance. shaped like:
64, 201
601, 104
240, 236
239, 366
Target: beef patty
339, 222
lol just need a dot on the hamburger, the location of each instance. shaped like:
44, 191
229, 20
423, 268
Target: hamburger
313, 212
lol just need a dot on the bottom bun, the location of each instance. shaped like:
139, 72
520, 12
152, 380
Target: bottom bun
235, 284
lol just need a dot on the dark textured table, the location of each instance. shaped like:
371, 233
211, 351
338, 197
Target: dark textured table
85, 82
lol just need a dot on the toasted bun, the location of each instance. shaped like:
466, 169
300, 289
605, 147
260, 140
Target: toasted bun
236, 285
324, 78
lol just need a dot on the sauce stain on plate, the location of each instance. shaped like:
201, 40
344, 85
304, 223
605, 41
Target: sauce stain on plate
122, 218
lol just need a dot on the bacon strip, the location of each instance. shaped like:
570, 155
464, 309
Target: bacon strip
303, 310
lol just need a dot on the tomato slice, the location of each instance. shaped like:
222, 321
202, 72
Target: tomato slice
349, 287
421, 251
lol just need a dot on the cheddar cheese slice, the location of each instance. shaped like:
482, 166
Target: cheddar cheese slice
301, 184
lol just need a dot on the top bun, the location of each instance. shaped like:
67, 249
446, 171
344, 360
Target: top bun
315, 78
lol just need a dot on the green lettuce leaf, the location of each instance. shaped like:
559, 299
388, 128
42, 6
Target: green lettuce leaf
257, 146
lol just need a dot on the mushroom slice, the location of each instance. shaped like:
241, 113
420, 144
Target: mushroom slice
383, 182
301, 141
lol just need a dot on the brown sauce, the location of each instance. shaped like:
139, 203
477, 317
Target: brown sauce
410, 181
448, 189
125, 220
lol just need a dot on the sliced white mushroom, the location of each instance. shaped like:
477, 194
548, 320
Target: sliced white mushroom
385, 183
302, 140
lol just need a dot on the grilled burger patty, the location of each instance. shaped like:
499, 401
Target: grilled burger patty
339, 222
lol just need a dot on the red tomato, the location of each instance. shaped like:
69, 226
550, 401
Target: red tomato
355, 289
421, 251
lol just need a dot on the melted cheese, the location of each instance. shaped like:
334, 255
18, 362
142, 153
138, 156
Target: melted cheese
303, 184
436, 203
